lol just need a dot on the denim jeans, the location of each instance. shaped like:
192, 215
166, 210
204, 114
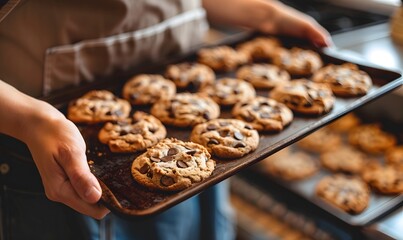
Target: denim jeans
26, 213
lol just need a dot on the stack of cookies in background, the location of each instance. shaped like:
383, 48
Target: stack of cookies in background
261, 87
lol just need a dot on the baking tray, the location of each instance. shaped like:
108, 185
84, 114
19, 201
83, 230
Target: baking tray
379, 204
123, 196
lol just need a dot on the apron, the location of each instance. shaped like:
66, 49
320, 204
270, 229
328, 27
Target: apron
48, 45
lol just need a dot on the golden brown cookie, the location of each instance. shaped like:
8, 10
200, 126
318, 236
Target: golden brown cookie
228, 91
305, 97
172, 165
345, 80
265, 76
222, 58
260, 47
98, 106
343, 159
295, 166
190, 76
371, 139
297, 61
146, 89
384, 179
345, 123
226, 138
320, 141
394, 156
133, 135
348, 193
186, 109
263, 114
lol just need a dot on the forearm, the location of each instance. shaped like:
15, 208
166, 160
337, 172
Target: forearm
253, 14
19, 111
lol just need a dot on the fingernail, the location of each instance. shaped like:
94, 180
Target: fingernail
92, 193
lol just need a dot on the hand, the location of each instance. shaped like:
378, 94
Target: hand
58, 150
288, 21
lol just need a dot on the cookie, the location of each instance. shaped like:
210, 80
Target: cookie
263, 114
190, 76
343, 159
261, 48
305, 97
172, 165
297, 61
394, 156
186, 110
371, 139
98, 106
146, 89
320, 141
384, 179
295, 166
226, 138
222, 58
345, 80
345, 123
264, 76
136, 134
348, 193
228, 91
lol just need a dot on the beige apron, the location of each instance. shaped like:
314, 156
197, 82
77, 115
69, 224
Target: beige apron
48, 45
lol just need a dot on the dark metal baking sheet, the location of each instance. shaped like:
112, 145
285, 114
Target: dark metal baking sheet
126, 197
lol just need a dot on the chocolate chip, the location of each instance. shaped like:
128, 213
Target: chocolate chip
238, 136
155, 159
152, 129
92, 109
167, 158
108, 113
249, 127
167, 181
248, 118
211, 127
144, 169
240, 145
191, 152
213, 141
236, 91
171, 113
136, 131
123, 132
172, 151
206, 115
244, 104
308, 104
181, 164
150, 174
224, 133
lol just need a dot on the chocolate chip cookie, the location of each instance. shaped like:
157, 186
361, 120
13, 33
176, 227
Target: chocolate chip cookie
297, 61
343, 159
345, 80
263, 114
348, 193
320, 141
146, 89
384, 179
186, 110
394, 156
371, 139
226, 138
261, 48
190, 76
228, 91
305, 97
222, 58
345, 124
98, 106
133, 135
264, 76
172, 165
295, 166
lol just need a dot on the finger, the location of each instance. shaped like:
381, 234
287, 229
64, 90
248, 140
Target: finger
74, 163
318, 35
68, 196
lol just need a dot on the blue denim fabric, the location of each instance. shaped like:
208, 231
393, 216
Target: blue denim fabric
30, 215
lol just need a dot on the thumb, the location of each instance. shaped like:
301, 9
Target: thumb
74, 163
318, 35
